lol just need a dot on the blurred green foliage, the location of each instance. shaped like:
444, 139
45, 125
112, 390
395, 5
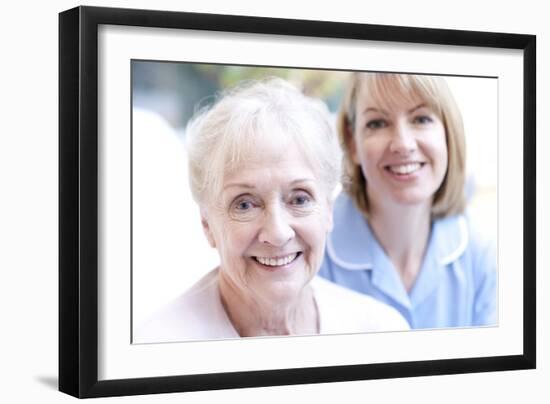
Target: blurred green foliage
175, 89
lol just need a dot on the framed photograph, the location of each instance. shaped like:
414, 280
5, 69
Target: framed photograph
182, 182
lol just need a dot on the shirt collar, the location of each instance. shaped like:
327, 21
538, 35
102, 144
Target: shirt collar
450, 238
351, 244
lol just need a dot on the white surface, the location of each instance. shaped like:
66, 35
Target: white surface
28, 207
120, 360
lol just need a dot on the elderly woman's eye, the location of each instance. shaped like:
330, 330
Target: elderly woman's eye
243, 205
376, 124
301, 199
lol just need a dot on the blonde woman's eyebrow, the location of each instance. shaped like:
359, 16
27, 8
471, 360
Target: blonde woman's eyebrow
376, 110
419, 106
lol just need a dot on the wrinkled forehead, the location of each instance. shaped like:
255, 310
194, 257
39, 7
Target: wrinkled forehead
257, 152
269, 146
262, 140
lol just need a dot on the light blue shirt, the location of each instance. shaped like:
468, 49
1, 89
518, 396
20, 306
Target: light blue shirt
456, 285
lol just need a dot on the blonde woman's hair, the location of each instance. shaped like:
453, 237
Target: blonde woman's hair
386, 89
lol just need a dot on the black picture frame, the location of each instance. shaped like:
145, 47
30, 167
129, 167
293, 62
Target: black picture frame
78, 200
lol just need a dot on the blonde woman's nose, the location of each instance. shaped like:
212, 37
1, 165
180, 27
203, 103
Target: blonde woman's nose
276, 228
403, 140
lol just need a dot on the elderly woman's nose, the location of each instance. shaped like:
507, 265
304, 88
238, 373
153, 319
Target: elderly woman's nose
276, 229
403, 140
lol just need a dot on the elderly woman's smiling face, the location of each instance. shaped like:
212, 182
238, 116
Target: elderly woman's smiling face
269, 224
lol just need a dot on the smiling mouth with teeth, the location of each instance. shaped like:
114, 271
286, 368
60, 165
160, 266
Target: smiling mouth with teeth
277, 261
404, 169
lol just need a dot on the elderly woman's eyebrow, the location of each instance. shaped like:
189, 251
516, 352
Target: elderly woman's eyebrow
302, 180
251, 186
238, 185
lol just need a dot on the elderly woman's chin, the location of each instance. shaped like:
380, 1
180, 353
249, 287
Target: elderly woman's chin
278, 283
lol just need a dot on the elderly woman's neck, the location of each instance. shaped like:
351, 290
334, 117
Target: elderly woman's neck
403, 233
257, 316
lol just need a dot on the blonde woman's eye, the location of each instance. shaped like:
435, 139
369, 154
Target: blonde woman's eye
423, 119
376, 124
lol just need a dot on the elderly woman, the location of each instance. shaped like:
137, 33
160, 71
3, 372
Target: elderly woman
263, 167
400, 232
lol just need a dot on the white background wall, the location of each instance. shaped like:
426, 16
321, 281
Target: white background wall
28, 200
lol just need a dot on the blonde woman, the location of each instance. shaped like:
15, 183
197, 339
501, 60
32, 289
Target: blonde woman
401, 234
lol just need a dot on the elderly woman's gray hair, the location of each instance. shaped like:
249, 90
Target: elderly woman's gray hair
255, 115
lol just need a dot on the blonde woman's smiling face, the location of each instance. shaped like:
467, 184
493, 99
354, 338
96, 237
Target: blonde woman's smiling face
401, 148
269, 225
